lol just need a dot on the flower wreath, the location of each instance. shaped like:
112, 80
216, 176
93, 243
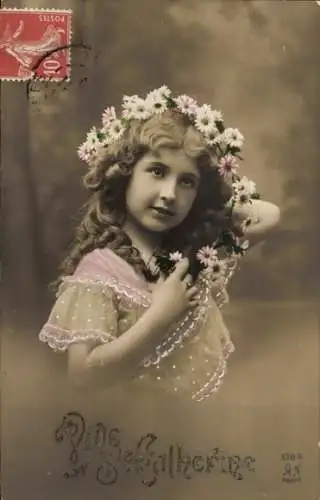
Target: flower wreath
226, 144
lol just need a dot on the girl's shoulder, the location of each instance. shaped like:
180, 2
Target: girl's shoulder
101, 262
104, 266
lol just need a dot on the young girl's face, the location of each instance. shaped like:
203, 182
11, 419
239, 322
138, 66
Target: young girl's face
162, 189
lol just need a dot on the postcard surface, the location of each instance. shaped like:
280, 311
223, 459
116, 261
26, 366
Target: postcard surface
148, 348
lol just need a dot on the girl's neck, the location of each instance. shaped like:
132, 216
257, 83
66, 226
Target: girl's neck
145, 241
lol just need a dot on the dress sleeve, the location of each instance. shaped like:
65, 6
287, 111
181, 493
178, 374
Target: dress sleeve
83, 311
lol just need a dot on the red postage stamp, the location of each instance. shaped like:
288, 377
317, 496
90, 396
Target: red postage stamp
35, 43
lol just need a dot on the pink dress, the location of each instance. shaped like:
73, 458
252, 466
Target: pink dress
105, 297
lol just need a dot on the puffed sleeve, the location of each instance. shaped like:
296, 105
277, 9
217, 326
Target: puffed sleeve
83, 311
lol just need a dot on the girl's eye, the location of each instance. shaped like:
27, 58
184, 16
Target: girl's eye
157, 171
189, 182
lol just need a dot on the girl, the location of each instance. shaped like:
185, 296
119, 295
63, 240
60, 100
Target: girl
140, 292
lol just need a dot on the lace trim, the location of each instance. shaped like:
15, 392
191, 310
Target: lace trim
175, 339
59, 339
221, 296
120, 288
212, 385
185, 329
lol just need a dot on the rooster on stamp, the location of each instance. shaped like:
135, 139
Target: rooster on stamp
35, 43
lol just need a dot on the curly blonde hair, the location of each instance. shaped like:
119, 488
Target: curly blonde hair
105, 211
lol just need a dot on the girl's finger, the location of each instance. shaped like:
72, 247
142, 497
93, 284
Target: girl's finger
181, 268
160, 280
194, 303
188, 280
191, 292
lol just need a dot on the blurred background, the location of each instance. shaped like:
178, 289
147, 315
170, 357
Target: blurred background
258, 62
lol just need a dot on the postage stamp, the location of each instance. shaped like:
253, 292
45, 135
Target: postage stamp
35, 42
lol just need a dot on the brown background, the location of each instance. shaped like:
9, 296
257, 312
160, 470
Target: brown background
257, 61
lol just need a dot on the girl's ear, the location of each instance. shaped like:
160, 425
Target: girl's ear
117, 170
112, 171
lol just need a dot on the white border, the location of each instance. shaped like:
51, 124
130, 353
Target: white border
29, 9
69, 41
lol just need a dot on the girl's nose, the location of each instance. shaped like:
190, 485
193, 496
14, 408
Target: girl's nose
168, 191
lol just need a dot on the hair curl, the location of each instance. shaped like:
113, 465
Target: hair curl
105, 211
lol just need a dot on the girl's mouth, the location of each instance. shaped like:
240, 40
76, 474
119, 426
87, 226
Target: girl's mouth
163, 211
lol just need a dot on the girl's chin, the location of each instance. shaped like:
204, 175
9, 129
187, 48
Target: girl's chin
157, 228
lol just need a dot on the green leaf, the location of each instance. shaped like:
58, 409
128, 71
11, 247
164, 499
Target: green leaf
220, 127
256, 196
170, 102
234, 150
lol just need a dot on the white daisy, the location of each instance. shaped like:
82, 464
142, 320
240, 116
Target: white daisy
218, 270
207, 256
165, 91
175, 256
92, 138
217, 116
245, 186
156, 103
187, 105
116, 130
216, 273
233, 138
108, 115
241, 198
128, 106
204, 121
129, 99
162, 92
243, 190
220, 140
141, 110
210, 137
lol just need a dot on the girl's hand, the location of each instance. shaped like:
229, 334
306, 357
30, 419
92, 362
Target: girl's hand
175, 295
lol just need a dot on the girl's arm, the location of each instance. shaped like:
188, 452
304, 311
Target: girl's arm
263, 215
108, 363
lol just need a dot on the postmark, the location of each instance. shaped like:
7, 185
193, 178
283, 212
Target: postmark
35, 42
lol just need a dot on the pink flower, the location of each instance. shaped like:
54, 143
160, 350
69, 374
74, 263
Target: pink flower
227, 165
208, 256
86, 153
108, 116
187, 105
